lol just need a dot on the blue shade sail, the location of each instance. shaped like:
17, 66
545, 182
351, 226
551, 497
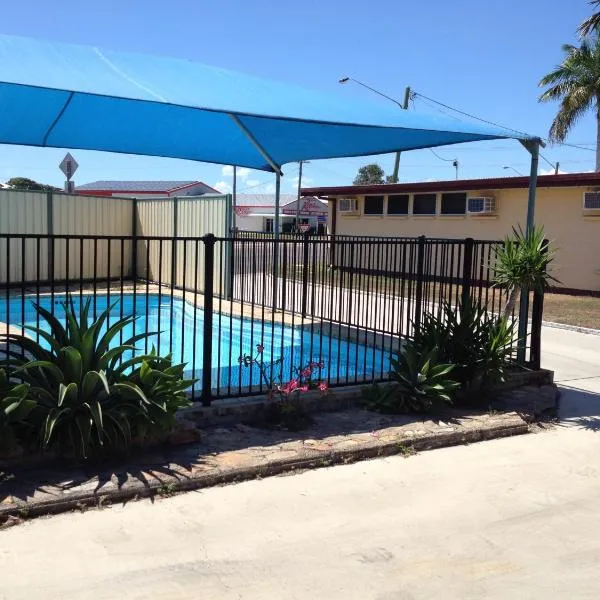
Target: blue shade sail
67, 96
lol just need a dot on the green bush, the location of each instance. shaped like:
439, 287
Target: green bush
478, 344
15, 406
421, 384
89, 400
163, 383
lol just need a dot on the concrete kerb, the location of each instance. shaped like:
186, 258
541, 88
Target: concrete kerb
511, 425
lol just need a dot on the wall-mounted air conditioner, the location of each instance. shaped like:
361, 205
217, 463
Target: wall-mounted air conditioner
482, 205
347, 205
591, 201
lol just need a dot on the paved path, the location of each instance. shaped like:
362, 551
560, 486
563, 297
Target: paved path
514, 518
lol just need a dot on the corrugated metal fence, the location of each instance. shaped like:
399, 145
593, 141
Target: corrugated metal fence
120, 219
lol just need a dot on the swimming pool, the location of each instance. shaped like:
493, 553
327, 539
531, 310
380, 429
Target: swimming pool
181, 332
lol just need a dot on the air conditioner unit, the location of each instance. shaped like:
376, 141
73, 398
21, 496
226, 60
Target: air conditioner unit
347, 205
591, 201
481, 205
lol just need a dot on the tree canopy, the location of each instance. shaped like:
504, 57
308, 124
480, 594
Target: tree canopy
369, 174
24, 183
575, 83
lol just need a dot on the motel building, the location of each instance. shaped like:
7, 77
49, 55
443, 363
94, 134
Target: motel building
567, 205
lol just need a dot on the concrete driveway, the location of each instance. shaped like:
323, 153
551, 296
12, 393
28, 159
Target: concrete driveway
512, 518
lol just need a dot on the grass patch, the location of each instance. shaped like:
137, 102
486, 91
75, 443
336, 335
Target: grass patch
581, 311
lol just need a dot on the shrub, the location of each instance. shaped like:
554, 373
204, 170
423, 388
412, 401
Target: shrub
86, 402
164, 385
15, 406
522, 264
421, 384
477, 343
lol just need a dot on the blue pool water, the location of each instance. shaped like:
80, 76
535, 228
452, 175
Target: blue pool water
181, 332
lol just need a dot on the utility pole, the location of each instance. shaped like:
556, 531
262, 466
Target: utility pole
455, 165
298, 197
234, 199
397, 161
556, 168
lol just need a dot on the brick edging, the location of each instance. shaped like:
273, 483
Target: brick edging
313, 459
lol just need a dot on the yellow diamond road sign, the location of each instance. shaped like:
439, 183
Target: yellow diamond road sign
68, 166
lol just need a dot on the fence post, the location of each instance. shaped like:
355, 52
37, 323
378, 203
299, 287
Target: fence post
304, 273
50, 230
537, 312
134, 240
209, 254
419, 275
231, 274
467, 271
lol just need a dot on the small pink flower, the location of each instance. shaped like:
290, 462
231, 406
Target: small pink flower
303, 388
321, 365
306, 372
290, 386
314, 365
323, 386
260, 348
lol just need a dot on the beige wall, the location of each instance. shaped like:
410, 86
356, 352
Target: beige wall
24, 212
575, 233
196, 216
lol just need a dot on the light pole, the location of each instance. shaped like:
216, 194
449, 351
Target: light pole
517, 172
403, 106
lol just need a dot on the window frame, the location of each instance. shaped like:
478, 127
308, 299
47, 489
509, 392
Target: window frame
398, 214
374, 214
428, 214
453, 214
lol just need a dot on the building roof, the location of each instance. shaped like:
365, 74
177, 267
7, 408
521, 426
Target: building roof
462, 185
146, 187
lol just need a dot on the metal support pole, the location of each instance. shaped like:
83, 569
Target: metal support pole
397, 159
534, 148
209, 254
298, 198
234, 199
277, 200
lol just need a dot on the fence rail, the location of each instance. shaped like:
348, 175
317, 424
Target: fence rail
340, 304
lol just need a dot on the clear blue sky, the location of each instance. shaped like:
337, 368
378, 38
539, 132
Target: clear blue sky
482, 57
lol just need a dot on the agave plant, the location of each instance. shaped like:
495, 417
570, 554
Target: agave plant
162, 382
522, 264
478, 344
422, 383
86, 401
15, 406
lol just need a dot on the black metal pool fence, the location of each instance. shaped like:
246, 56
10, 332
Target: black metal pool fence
339, 303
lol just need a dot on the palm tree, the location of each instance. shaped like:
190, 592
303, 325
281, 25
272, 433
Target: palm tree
591, 23
576, 83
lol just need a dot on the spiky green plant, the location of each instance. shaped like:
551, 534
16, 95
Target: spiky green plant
15, 406
421, 383
522, 263
88, 402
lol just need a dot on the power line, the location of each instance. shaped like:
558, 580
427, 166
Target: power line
466, 114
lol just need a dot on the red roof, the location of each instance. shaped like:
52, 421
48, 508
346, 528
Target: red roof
462, 185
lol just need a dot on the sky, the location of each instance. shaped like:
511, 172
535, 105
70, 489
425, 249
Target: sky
484, 58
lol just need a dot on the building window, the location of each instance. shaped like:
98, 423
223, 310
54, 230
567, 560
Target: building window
373, 205
454, 204
424, 204
398, 204
269, 225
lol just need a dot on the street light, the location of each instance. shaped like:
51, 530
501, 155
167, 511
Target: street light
403, 106
517, 172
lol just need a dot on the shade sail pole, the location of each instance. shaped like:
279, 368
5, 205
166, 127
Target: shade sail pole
533, 146
277, 202
256, 143
234, 200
